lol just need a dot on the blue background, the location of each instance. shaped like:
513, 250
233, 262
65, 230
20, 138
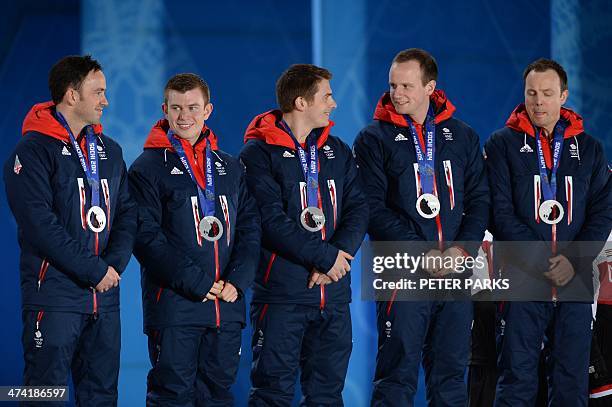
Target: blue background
240, 48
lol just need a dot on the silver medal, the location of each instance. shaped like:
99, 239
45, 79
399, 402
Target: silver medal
96, 219
312, 219
551, 212
211, 228
428, 206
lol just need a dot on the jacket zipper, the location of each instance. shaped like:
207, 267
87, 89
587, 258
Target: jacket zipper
320, 204
217, 277
217, 272
93, 290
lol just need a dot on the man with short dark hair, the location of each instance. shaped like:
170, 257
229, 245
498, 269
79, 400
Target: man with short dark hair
66, 184
549, 182
423, 174
197, 244
314, 218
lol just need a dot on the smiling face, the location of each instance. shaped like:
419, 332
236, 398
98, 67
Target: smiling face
90, 99
186, 113
408, 94
544, 98
317, 110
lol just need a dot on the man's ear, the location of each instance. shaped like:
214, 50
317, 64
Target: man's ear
71, 97
208, 110
564, 96
300, 104
431, 86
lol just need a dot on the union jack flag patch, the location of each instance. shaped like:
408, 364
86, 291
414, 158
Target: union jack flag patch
17, 167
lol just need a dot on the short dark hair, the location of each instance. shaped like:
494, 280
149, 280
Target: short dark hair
70, 72
184, 82
543, 65
429, 67
299, 80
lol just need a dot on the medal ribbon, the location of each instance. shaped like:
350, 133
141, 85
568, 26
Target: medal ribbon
310, 168
549, 188
309, 164
91, 170
427, 161
206, 194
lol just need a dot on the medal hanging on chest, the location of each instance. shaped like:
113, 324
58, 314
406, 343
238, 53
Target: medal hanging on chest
427, 204
210, 227
312, 217
95, 217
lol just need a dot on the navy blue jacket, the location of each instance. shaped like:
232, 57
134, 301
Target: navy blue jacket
178, 266
289, 252
584, 189
47, 190
386, 158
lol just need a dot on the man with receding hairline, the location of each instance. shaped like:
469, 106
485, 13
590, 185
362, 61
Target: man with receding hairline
423, 175
66, 184
549, 182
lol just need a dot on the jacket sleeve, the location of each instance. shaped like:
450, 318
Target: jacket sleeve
354, 214
31, 200
280, 233
167, 263
121, 239
385, 223
476, 203
598, 216
241, 268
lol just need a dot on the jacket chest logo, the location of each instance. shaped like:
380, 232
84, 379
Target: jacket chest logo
288, 154
176, 171
400, 137
329, 153
573, 149
101, 152
220, 168
448, 135
100, 148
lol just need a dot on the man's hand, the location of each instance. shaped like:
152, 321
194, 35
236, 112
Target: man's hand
560, 271
318, 278
433, 262
110, 280
214, 291
340, 267
454, 253
229, 293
